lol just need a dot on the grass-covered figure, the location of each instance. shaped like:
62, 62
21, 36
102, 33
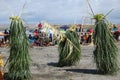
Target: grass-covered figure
105, 53
19, 56
69, 48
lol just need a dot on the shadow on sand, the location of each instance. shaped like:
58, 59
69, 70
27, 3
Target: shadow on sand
85, 71
53, 64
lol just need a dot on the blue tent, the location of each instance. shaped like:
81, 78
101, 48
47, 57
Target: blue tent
64, 27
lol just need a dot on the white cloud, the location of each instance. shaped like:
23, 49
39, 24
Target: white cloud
58, 11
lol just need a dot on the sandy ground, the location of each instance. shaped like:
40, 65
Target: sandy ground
44, 60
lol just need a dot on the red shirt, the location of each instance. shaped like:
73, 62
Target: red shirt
40, 25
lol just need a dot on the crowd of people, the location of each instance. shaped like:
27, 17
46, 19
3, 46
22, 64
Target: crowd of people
86, 36
116, 32
5, 39
40, 38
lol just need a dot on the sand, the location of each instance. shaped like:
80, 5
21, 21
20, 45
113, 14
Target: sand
44, 60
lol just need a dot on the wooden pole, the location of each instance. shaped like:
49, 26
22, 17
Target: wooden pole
81, 27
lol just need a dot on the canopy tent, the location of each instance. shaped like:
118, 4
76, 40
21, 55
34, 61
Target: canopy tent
64, 27
3, 34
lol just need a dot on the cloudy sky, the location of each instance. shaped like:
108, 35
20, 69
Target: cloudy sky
58, 11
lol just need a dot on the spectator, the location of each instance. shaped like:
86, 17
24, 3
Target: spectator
36, 32
114, 28
50, 37
6, 35
86, 37
31, 39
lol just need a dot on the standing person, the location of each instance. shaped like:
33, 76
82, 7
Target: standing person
19, 58
89, 40
86, 38
6, 35
50, 37
31, 39
82, 40
114, 28
69, 48
39, 27
106, 52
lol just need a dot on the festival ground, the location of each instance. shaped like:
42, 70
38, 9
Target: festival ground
44, 60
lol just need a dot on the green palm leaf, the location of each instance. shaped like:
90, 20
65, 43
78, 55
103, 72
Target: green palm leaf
19, 57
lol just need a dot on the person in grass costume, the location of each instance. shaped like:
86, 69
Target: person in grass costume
1, 65
69, 48
105, 53
19, 59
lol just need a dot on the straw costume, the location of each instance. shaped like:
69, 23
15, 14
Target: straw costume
105, 53
1, 65
69, 48
18, 67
